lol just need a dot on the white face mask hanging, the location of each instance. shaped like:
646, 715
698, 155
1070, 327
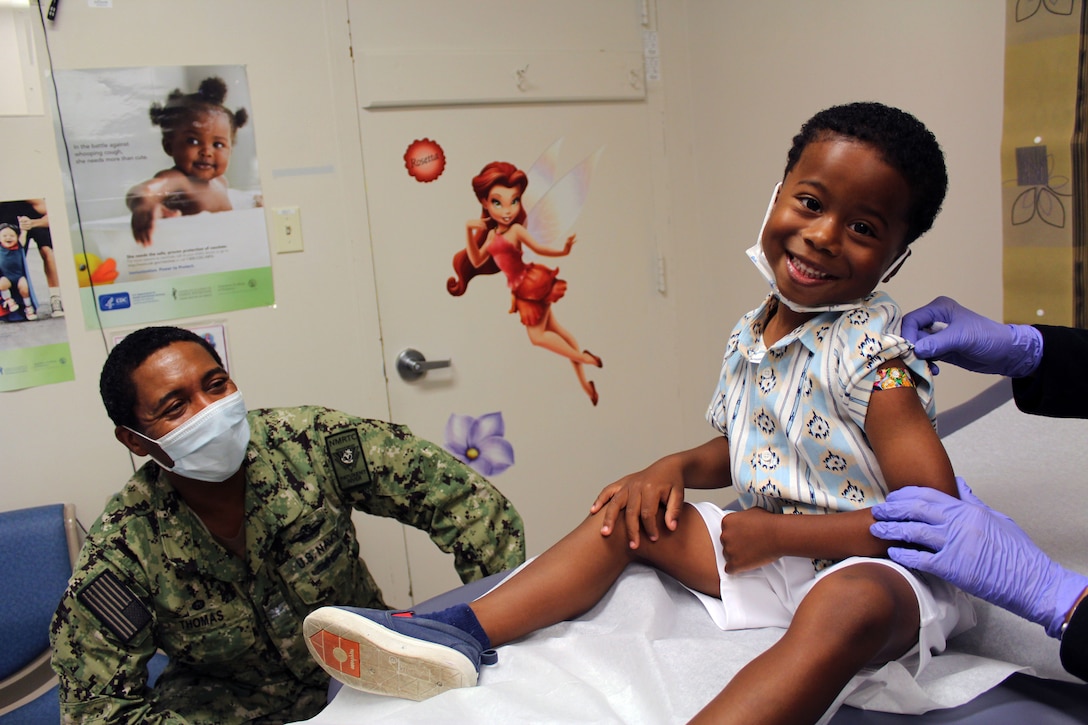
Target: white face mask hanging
759, 259
208, 447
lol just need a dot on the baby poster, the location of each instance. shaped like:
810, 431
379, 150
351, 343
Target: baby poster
167, 213
33, 339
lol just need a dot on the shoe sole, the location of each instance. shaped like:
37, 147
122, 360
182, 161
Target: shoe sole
370, 657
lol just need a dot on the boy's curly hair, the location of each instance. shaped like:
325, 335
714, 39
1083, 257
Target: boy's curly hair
180, 107
901, 139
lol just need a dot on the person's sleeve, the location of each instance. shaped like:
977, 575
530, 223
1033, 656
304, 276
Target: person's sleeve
866, 338
716, 413
1058, 388
420, 484
102, 642
1074, 650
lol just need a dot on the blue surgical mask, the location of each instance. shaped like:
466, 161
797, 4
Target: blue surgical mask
759, 259
210, 446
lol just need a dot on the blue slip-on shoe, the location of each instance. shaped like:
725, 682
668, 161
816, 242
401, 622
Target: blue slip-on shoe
393, 653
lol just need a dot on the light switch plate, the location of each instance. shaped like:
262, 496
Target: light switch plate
287, 233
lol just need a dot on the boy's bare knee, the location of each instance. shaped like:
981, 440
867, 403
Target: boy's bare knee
617, 540
867, 607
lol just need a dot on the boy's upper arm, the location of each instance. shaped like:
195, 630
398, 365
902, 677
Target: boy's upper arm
904, 441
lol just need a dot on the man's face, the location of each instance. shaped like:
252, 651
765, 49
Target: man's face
174, 384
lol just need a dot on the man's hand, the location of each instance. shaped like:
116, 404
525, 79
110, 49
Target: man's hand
979, 550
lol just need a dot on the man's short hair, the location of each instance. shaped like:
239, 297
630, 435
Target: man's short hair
115, 384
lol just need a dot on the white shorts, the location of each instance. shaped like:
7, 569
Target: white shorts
769, 596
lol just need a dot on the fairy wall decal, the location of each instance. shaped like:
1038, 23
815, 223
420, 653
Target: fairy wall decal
512, 221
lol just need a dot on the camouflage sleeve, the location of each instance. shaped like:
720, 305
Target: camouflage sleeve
420, 484
101, 640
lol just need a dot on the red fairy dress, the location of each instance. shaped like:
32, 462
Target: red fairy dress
533, 287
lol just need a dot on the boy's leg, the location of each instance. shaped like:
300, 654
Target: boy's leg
866, 613
571, 577
420, 656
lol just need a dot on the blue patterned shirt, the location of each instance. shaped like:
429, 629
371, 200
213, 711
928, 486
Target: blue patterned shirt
794, 414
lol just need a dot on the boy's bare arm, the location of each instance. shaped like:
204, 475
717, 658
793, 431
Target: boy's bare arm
909, 453
904, 441
639, 495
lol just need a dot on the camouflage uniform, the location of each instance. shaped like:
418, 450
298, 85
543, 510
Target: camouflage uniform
151, 576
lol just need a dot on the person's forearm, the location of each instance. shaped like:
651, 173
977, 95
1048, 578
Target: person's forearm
706, 466
1069, 614
1056, 388
827, 536
1074, 647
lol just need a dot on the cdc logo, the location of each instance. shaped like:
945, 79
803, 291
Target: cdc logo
115, 301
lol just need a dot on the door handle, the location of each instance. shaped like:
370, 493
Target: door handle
411, 365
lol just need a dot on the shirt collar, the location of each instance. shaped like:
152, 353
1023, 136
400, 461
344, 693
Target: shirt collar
810, 333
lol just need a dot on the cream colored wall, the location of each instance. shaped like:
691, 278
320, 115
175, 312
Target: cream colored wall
320, 343
741, 77
737, 81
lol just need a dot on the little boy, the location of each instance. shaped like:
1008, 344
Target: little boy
822, 409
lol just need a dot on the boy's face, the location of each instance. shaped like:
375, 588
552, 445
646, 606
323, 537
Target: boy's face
839, 221
8, 238
201, 147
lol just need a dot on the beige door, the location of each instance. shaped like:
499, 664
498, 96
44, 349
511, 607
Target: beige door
422, 82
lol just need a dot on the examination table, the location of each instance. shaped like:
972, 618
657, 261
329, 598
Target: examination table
661, 657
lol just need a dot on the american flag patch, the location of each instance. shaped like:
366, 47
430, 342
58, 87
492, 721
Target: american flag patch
115, 606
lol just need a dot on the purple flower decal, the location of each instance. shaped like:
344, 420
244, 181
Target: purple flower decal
479, 442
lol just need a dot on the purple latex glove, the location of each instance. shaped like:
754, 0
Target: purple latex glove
972, 341
979, 550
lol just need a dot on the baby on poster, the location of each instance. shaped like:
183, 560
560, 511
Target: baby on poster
198, 133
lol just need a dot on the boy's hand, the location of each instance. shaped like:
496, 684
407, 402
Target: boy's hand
639, 496
748, 539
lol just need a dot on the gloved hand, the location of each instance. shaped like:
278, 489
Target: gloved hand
979, 550
972, 341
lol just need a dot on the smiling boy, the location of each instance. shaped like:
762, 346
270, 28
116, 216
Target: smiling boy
821, 409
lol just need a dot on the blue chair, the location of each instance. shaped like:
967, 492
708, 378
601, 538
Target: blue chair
38, 547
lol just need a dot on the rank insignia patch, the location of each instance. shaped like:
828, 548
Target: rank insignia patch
348, 461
